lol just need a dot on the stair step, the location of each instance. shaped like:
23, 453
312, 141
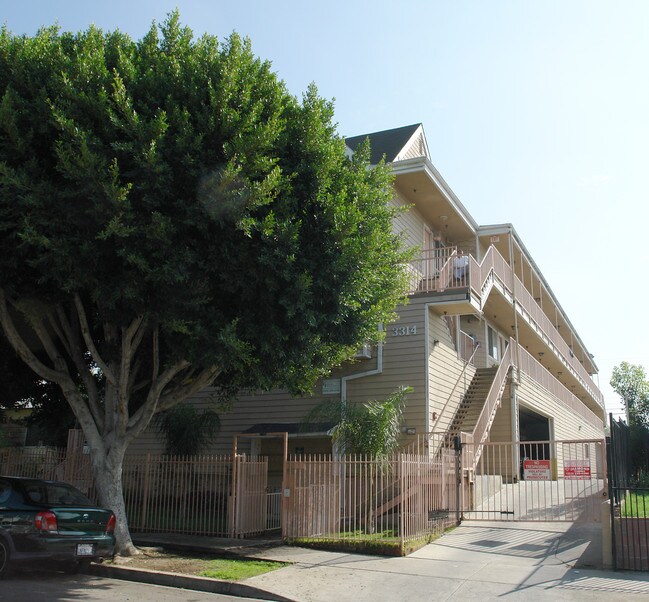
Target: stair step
470, 409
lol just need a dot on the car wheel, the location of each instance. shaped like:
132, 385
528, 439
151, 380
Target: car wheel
5, 567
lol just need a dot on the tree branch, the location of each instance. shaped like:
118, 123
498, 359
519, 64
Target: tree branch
176, 395
141, 418
136, 332
61, 377
74, 349
22, 349
87, 337
156, 353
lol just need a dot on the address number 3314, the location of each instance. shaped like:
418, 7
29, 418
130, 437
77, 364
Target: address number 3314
403, 331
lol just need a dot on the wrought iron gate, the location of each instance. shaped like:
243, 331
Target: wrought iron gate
629, 501
534, 480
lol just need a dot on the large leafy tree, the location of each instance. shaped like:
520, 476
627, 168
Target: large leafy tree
171, 218
630, 382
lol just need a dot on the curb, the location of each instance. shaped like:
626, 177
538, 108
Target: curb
189, 582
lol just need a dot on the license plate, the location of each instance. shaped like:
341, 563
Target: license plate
85, 549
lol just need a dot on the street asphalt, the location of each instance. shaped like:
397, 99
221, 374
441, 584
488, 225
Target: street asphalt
476, 561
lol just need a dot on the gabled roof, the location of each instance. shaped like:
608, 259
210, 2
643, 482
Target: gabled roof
390, 143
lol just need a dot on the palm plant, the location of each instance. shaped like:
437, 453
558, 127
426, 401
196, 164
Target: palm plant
186, 430
370, 429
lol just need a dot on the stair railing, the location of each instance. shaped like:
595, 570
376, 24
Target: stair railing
457, 382
492, 403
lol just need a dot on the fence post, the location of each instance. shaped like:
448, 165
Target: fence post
610, 462
458, 478
234, 497
145, 492
402, 517
283, 498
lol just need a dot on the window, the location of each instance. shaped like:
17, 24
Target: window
492, 343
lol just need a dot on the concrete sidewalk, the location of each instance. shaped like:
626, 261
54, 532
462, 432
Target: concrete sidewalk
476, 561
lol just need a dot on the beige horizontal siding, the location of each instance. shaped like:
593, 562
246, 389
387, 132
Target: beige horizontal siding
567, 424
416, 149
501, 429
447, 380
403, 366
409, 224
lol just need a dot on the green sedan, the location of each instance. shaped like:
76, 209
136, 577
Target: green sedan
52, 525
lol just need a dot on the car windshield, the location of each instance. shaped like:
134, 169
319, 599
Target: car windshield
55, 494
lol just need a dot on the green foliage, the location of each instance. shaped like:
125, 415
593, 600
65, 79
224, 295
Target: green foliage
635, 505
171, 218
642, 479
186, 430
372, 428
176, 178
231, 569
365, 544
630, 382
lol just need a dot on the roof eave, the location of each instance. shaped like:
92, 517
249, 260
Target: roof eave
424, 164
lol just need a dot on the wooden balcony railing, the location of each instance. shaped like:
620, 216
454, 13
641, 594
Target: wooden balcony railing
537, 372
494, 396
439, 270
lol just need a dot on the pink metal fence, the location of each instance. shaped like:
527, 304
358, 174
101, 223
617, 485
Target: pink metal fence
178, 494
33, 462
359, 499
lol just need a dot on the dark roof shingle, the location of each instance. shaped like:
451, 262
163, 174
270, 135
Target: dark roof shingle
387, 142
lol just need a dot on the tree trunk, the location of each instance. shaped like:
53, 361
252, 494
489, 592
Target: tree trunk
107, 469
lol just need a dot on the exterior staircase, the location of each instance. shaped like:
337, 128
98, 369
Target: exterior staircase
467, 414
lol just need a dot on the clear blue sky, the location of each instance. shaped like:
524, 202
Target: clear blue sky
535, 114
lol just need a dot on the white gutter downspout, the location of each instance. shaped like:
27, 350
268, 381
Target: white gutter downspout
515, 379
377, 370
426, 365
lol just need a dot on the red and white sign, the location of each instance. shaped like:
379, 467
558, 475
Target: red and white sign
536, 470
576, 469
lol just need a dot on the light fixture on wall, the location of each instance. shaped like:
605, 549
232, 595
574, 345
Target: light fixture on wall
435, 342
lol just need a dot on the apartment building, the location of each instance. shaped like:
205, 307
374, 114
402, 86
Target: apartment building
483, 341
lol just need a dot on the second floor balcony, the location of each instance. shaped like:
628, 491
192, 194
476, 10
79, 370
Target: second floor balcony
462, 285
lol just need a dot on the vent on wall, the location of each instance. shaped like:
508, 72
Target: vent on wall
364, 353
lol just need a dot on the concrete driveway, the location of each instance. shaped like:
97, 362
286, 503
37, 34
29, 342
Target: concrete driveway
476, 561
